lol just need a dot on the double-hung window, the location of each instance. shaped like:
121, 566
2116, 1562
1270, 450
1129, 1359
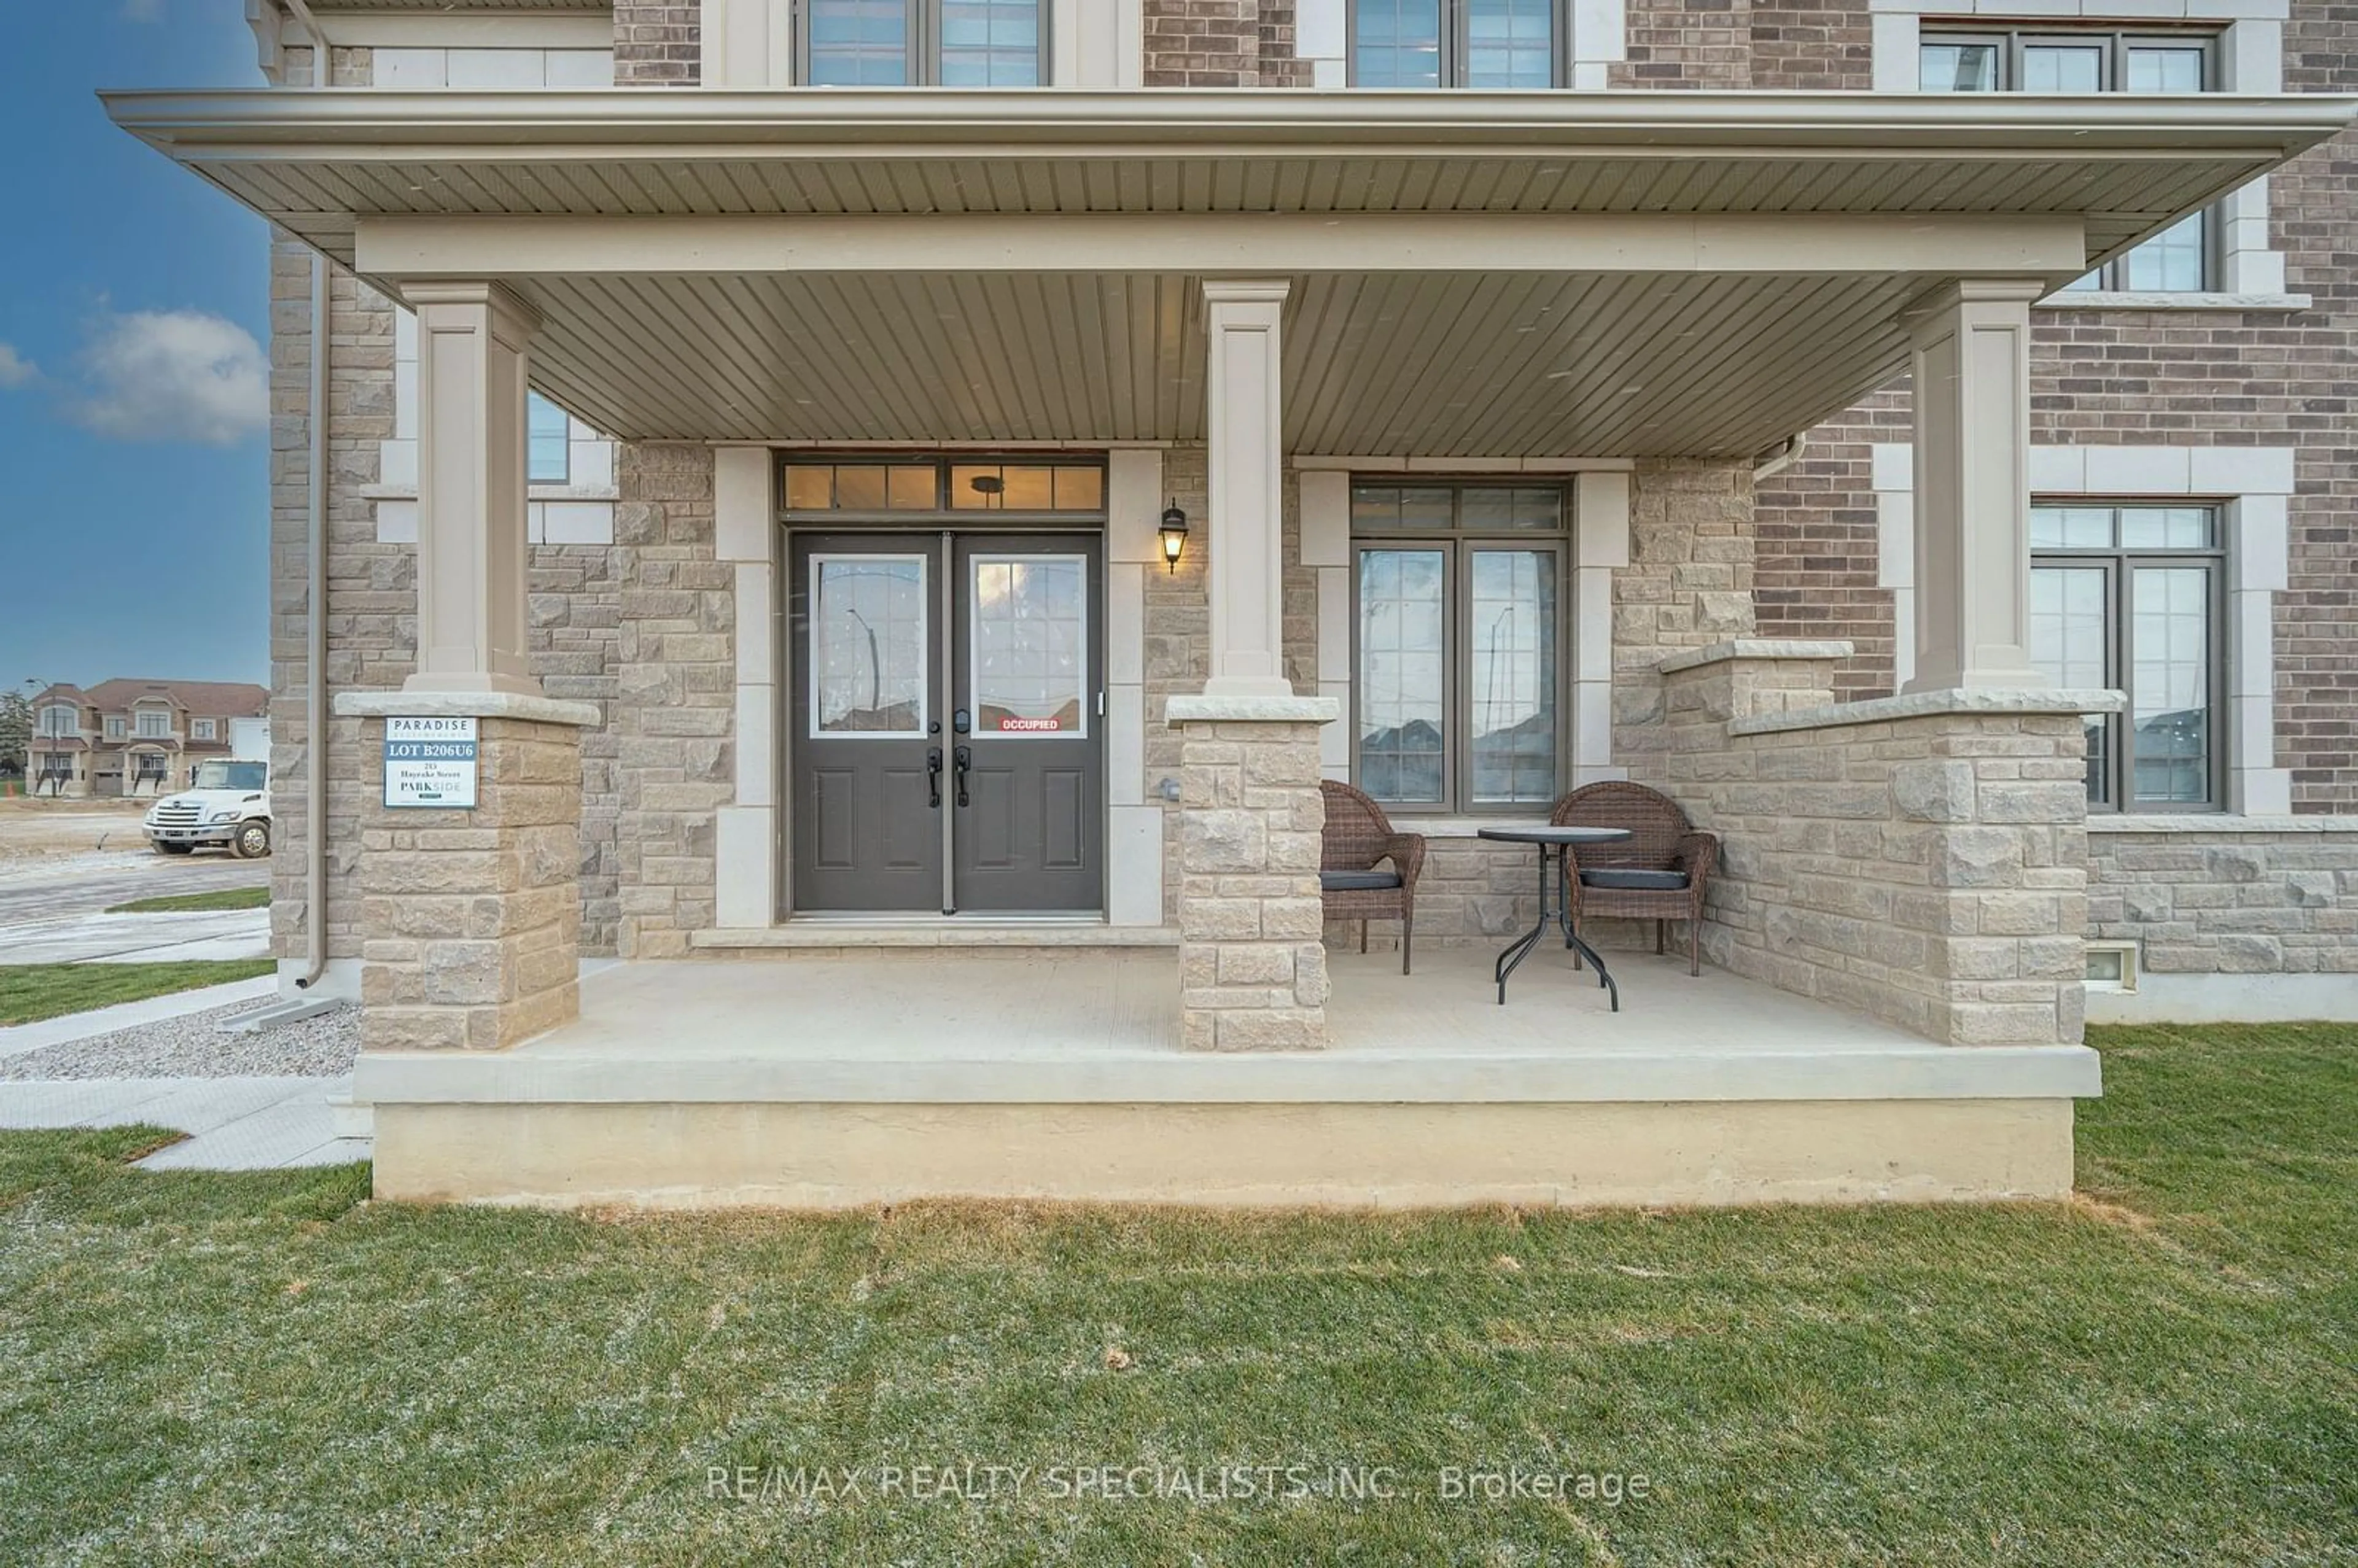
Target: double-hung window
152, 724
548, 436
1457, 662
2182, 257
934, 43
1456, 43
114, 726
2128, 596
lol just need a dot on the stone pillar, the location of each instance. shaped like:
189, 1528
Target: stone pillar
1971, 355
1252, 968
471, 920
1245, 448
472, 621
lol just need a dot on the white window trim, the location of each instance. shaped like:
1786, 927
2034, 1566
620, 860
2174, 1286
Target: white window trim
204, 728
2254, 486
2251, 59
1598, 37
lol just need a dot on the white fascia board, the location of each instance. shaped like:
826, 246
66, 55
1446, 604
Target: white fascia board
446, 29
1214, 242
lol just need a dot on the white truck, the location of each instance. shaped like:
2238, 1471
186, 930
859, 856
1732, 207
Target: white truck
227, 803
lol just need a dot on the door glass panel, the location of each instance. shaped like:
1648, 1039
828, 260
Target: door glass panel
1510, 43
860, 489
1957, 68
859, 43
2062, 68
2170, 628
912, 488
990, 43
1402, 694
1514, 695
1079, 489
1031, 631
868, 645
1397, 43
2069, 646
810, 487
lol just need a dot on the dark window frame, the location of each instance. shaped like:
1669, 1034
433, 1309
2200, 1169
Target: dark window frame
2011, 40
2120, 565
1456, 45
922, 65
1459, 545
941, 514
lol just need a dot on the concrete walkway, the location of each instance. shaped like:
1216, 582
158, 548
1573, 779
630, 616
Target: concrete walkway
22, 1037
138, 938
236, 1124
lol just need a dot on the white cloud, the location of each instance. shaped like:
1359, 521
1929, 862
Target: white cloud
174, 375
15, 370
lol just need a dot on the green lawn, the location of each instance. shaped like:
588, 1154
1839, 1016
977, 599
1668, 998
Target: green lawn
198, 1368
30, 992
183, 902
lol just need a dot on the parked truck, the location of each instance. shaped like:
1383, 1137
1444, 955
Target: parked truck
227, 803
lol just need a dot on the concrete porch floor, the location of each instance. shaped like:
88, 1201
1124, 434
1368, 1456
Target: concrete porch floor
1057, 1074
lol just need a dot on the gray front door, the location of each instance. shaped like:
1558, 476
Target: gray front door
948, 738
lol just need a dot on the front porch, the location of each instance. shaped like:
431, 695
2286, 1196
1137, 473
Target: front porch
1058, 1073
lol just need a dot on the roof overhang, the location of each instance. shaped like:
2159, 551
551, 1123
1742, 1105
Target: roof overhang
1618, 273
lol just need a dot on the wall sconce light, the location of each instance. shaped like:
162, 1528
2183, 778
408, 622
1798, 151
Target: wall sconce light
1173, 534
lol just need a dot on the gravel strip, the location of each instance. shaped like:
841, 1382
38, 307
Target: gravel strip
194, 1047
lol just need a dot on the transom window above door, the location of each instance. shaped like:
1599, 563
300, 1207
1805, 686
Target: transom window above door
892, 486
1455, 43
909, 43
2181, 259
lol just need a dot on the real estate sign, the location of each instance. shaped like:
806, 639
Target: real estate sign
430, 762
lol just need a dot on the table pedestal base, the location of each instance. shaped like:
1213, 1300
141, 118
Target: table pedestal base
1555, 904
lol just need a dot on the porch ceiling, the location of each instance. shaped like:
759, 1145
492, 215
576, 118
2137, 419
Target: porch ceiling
1594, 359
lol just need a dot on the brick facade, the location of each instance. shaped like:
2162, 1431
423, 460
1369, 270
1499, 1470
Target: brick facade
659, 43
1221, 43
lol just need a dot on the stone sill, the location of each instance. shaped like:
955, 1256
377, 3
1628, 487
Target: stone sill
867, 1076
2108, 300
1208, 709
1926, 704
534, 492
826, 933
2216, 822
467, 705
1759, 648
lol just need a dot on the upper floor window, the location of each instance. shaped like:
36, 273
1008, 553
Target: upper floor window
548, 442
204, 728
1455, 43
154, 724
904, 43
60, 721
1458, 661
2181, 258
2128, 597
114, 727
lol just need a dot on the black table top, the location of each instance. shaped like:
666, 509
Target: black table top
1555, 835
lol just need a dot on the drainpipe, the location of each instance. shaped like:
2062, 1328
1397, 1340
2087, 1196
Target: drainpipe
315, 671
1780, 458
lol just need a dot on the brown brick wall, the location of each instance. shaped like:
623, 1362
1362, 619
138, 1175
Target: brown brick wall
657, 43
1802, 47
1222, 43
1695, 44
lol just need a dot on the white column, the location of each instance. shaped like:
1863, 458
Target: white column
747, 43
1971, 362
471, 343
1246, 452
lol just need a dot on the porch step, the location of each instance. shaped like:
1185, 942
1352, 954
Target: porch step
1004, 936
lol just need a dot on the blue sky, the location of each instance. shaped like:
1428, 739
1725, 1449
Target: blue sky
134, 519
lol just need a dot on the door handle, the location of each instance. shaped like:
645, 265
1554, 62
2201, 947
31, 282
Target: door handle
934, 777
965, 755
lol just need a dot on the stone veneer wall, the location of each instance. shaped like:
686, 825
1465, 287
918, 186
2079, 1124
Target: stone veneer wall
2230, 902
1689, 584
1930, 868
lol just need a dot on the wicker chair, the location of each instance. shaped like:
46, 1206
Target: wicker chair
1658, 874
1351, 883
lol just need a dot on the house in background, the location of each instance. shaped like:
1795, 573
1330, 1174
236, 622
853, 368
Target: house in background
1014, 450
141, 738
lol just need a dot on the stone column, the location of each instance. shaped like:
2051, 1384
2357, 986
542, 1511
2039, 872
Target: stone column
1971, 355
1252, 968
472, 621
471, 920
1245, 446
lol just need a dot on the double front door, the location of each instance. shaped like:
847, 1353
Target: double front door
947, 728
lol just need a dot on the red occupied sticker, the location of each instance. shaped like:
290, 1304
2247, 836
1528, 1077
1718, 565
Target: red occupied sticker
1029, 726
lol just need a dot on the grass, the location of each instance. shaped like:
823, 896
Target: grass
189, 903
30, 992
263, 1367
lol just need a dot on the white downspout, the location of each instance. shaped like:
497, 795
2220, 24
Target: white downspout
315, 672
1781, 458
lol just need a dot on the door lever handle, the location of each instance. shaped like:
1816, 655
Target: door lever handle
934, 777
965, 755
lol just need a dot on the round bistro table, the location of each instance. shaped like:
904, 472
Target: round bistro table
1555, 845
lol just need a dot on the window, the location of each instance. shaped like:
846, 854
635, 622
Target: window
1457, 665
2179, 258
1455, 43
2127, 597
114, 727
59, 720
882, 486
204, 728
548, 436
904, 43
154, 724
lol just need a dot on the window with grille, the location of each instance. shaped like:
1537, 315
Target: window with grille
908, 43
1482, 44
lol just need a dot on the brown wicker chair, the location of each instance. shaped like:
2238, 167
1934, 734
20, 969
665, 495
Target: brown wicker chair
1351, 883
1658, 874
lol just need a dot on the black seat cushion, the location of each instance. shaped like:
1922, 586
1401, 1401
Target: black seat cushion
1358, 881
1630, 877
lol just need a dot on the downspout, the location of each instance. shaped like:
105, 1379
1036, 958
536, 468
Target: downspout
314, 670
1780, 458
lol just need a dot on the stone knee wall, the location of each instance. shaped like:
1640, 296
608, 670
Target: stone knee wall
2228, 901
1688, 584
